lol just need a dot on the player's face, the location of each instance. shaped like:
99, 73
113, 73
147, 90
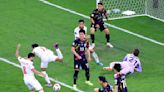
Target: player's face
100, 82
31, 58
100, 7
81, 25
115, 71
82, 36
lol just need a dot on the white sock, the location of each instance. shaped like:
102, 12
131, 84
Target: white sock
46, 78
96, 58
59, 53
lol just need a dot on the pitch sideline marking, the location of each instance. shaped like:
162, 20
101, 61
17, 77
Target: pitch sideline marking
52, 79
113, 26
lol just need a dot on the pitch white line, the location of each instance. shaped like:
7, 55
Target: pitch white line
52, 79
113, 26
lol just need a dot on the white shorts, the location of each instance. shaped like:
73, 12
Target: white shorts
47, 59
32, 83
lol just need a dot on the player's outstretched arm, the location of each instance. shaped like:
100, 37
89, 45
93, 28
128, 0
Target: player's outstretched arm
17, 50
39, 73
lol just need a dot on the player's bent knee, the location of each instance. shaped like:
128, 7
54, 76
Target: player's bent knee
106, 31
92, 30
59, 59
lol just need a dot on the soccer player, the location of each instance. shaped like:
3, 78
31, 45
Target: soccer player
79, 48
105, 85
97, 22
133, 60
130, 62
91, 49
47, 56
120, 81
28, 71
125, 68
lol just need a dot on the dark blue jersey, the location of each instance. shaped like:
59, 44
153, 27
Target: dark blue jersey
80, 47
98, 16
106, 89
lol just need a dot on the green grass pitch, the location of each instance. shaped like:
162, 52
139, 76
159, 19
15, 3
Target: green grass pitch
30, 21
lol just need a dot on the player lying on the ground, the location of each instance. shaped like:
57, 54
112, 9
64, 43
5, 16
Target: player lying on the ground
91, 49
133, 60
130, 61
97, 22
79, 48
28, 71
47, 56
119, 79
105, 85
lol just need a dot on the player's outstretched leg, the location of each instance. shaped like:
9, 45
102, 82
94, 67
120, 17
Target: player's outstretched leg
96, 58
47, 79
107, 35
56, 46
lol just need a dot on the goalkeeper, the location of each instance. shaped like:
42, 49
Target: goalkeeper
97, 22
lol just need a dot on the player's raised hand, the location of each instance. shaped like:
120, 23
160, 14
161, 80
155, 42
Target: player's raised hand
18, 45
17, 50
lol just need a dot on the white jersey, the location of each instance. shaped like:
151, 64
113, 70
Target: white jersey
133, 62
45, 55
26, 66
29, 78
42, 52
76, 31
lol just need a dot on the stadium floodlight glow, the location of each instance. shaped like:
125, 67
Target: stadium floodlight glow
118, 9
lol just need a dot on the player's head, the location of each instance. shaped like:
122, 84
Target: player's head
31, 56
102, 79
34, 45
100, 6
136, 52
82, 34
81, 24
117, 68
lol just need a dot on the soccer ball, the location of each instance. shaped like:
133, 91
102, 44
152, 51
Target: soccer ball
56, 87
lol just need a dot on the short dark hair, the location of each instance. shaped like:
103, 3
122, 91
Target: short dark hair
81, 20
136, 52
102, 78
117, 67
31, 55
34, 45
100, 3
82, 31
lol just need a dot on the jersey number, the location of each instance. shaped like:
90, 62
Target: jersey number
24, 70
131, 59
